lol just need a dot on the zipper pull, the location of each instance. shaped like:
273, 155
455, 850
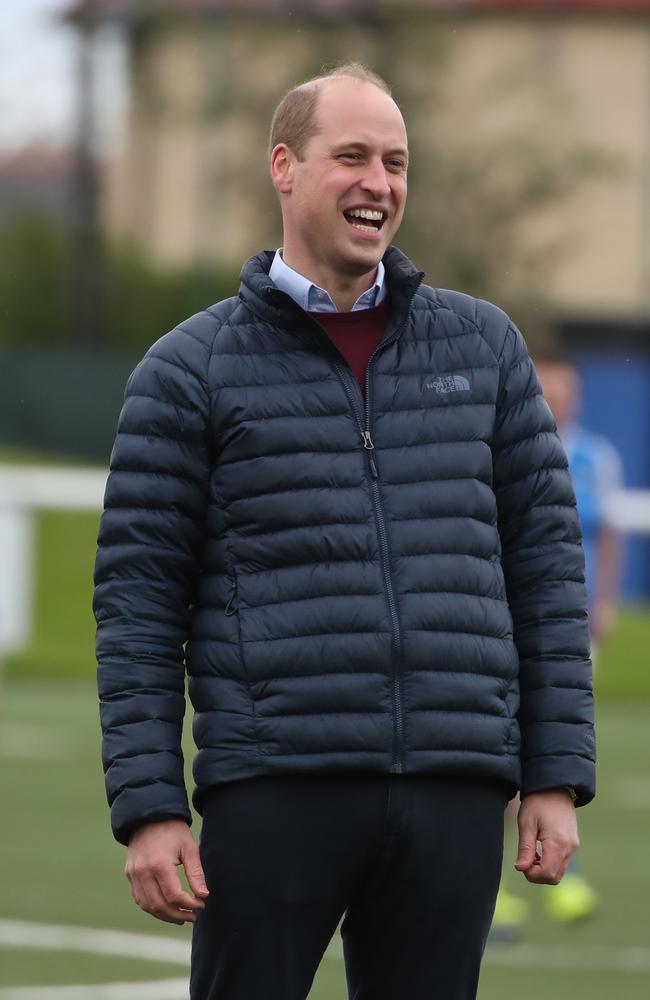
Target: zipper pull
231, 610
367, 443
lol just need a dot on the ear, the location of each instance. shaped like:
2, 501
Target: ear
282, 168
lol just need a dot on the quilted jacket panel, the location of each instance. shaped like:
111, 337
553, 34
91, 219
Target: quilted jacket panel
392, 583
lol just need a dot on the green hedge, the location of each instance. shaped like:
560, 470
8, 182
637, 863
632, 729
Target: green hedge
138, 300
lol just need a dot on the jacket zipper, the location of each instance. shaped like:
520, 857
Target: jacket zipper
352, 391
396, 638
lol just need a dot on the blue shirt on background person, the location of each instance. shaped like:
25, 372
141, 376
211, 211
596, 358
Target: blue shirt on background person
595, 467
596, 470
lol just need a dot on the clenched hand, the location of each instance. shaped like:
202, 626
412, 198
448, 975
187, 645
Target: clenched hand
155, 851
550, 818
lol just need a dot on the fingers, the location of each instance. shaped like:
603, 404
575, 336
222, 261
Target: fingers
555, 855
546, 819
155, 851
526, 855
148, 895
194, 874
177, 902
156, 888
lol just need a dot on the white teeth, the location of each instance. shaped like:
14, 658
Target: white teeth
366, 213
364, 229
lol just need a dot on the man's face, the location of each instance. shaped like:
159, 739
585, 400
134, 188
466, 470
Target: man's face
346, 197
561, 388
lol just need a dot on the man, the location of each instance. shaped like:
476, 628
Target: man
596, 470
340, 500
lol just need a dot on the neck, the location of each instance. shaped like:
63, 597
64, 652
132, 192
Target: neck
343, 289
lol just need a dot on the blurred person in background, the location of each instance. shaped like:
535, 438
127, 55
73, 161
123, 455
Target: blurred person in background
302, 513
596, 471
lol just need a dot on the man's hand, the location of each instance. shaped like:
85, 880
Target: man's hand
550, 818
155, 850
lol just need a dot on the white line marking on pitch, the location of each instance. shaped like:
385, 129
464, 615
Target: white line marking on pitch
163, 989
123, 944
21, 934
549, 956
625, 958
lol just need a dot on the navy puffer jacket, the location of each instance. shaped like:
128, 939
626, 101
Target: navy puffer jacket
392, 584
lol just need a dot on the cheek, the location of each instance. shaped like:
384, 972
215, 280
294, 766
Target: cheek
398, 198
401, 194
400, 201
308, 211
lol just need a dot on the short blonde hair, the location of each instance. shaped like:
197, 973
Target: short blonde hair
294, 119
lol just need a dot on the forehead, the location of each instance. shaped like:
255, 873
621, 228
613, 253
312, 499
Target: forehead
350, 110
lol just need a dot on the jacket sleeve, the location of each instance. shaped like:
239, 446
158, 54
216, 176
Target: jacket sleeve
148, 560
543, 564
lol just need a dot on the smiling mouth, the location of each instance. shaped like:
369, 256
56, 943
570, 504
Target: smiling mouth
366, 220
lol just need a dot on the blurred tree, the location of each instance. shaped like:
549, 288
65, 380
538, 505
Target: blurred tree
34, 300
491, 172
499, 158
489, 168
142, 301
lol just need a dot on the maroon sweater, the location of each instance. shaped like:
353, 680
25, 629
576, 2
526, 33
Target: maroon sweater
356, 334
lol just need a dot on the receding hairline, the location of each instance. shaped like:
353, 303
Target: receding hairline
320, 83
305, 97
318, 86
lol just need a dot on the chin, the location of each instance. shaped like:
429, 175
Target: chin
363, 261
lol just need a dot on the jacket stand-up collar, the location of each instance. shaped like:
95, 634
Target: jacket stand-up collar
266, 299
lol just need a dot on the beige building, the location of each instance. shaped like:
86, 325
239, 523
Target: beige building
529, 122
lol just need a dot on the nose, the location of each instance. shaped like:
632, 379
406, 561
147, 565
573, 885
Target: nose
375, 179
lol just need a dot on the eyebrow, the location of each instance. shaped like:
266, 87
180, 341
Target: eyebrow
343, 144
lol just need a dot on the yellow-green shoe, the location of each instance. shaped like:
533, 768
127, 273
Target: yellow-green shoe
510, 916
572, 900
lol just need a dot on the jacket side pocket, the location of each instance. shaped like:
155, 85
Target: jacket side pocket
233, 601
233, 608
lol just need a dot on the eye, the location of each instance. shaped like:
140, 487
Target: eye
396, 164
350, 156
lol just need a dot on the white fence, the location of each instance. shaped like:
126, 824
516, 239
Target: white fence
27, 489
23, 491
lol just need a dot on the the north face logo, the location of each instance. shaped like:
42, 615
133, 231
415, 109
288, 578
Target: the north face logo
448, 383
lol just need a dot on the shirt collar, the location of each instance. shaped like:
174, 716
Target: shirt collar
312, 298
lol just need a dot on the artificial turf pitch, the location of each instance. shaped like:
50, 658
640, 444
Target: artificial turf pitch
61, 866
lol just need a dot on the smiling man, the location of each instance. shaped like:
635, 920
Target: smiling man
338, 502
341, 178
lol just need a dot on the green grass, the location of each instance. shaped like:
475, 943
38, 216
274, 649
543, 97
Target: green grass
31, 456
62, 644
622, 670
63, 641
64, 968
64, 628
60, 864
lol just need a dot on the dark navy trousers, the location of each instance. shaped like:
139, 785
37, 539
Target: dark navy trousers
411, 863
